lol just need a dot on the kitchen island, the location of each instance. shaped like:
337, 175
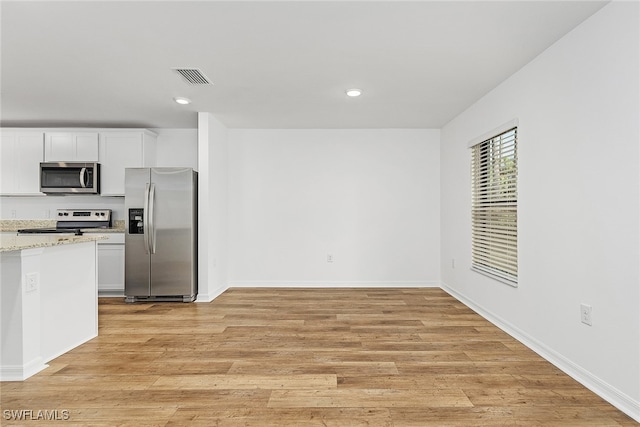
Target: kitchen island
48, 299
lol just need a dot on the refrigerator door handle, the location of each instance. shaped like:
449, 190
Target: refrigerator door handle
145, 220
152, 225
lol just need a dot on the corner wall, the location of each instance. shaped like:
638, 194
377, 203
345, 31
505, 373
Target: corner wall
212, 207
578, 213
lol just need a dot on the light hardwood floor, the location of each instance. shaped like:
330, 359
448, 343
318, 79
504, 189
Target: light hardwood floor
302, 357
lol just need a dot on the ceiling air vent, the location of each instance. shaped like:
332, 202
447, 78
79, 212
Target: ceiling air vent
193, 76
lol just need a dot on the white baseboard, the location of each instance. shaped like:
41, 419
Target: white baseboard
111, 293
22, 372
77, 343
331, 284
609, 393
208, 297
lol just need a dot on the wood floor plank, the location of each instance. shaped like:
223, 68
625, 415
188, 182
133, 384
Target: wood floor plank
278, 417
428, 382
239, 382
305, 357
525, 396
343, 368
368, 398
496, 416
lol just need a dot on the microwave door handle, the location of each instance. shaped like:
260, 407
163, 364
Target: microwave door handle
152, 225
83, 182
145, 220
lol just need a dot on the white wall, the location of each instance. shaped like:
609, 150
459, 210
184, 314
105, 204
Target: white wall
578, 213
177, 148
370, 198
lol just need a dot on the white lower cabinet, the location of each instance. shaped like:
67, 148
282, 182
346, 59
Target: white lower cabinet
111, 265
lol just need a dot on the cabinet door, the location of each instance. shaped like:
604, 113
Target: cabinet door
59, 147
71, 146
28, 157
7, 162
20, 157
118, 150
111, 265
86, 147
121, 150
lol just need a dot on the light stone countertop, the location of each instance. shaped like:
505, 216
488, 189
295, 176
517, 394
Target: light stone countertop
29, 241
18, 224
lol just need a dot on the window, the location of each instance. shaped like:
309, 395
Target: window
494, 207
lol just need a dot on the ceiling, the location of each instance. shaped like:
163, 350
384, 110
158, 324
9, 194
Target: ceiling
273, 64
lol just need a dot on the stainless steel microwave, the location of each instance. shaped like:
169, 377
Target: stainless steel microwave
70, 178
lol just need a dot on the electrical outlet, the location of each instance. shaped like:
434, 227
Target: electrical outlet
13, 213
46, 213
31, 282
453, 263
585, 314
329, 257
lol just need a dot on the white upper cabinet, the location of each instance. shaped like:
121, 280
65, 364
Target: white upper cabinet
71, 147
20, 155
120, 150
115, 149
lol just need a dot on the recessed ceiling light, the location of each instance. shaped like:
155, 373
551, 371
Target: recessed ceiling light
182, 101
354, 92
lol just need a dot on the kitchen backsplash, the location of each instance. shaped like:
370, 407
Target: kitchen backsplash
44, 207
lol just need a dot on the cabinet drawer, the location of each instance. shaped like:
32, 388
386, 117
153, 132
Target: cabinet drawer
113, 239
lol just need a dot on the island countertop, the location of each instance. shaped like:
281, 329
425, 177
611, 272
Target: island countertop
11, 242
48, 299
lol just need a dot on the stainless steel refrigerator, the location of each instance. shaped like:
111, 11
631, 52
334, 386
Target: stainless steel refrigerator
161, 238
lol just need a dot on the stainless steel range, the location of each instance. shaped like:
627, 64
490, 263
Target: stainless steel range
73, 221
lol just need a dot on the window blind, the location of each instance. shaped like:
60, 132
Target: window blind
494, 216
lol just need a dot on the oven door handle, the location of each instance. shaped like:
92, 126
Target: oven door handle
83, 181
145, 220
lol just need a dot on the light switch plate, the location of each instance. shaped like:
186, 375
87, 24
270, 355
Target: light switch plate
585, 314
